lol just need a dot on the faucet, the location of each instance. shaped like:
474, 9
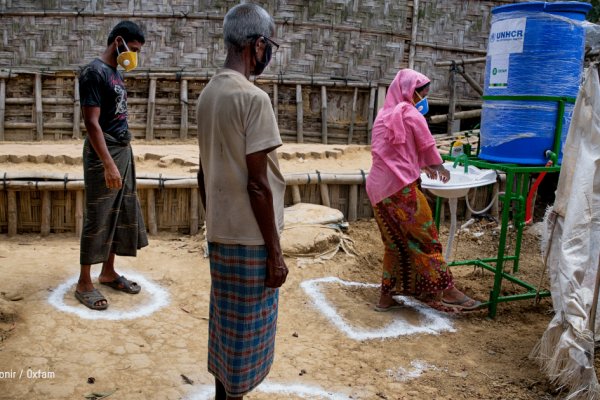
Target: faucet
464, 159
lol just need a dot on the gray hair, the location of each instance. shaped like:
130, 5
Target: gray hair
245, 20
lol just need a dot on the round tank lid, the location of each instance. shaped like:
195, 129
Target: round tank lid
555, 7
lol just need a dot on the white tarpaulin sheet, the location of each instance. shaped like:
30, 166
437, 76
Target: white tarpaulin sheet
572, 248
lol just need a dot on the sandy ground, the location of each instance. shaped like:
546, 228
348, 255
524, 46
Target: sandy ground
49, 353
145, 357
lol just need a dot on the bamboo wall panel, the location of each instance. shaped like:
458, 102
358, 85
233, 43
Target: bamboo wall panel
286, 116
29, 211
365, 40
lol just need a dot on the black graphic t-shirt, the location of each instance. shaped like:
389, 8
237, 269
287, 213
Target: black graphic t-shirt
101, 85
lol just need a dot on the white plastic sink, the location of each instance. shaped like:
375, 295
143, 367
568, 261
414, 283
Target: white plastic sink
460, 182
458, 186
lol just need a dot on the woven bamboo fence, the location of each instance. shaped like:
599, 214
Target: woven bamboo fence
328, 79
53, 202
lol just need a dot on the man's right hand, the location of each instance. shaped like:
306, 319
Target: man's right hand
276, 271
112, 176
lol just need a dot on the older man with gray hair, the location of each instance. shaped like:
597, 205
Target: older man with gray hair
242, 190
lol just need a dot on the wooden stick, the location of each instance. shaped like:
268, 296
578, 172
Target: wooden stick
151, 110
2, 107
296, 197
353, 203
39, 114
12, 213
76, 110
41, 175
183, 99
381, 92
79, 213
460, 62
471, 81
436, 119
353, 117
451, 48
371, 115
151, 205
194, 212
323, 115
276, 101
325, 195
299, 114
452, 105
46, 213
413, 35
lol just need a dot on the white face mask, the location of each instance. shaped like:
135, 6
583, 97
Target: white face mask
127, 59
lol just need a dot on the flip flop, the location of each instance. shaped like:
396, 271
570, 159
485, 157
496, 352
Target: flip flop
89, 299
394, 306
461, 304
123, 284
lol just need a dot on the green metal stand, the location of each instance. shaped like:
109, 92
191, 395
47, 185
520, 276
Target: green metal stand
513, 199
513, 208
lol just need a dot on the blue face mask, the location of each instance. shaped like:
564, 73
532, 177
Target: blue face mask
423, 106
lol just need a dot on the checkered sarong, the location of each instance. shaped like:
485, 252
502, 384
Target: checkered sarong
243, 317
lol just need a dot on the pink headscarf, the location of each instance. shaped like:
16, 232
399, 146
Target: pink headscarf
399, 96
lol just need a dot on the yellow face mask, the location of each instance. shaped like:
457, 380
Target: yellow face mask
127, 59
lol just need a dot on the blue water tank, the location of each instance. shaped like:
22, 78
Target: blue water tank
534, 49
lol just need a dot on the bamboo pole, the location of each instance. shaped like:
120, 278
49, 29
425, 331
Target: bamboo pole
296, 197
452, 95
371, 117
76, 110
12, 213
436, 119
325, 195
323, 115
151, 110
151, 205
46, 213
451, 48
39, 114
2, 107
194, 223
413, 35
183, 99
353, 117
460, 62
276, 101
353, 203
381, 92
471, 81
79, 198
299, 114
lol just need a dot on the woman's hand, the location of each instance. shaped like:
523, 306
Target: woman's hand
437, 172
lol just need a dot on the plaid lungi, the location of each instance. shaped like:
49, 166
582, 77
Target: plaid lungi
113, 221
243, 317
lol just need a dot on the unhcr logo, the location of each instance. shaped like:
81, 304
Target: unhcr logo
507, 35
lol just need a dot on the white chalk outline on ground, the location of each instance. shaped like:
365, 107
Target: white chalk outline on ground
304, 391
434, 321
402, 374
160, 298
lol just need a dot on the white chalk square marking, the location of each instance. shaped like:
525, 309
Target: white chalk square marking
432, 321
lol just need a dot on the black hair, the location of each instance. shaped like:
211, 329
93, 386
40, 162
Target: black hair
128, 30
421, 88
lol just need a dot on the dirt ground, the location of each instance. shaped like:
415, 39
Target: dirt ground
48, 353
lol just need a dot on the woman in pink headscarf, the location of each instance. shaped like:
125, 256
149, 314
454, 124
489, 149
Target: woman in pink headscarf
401, 147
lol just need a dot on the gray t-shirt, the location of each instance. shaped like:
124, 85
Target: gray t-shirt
235, 118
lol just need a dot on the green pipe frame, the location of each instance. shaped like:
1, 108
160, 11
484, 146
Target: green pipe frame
513, 199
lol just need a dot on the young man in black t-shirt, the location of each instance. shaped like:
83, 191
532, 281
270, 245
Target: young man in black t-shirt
113, 224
